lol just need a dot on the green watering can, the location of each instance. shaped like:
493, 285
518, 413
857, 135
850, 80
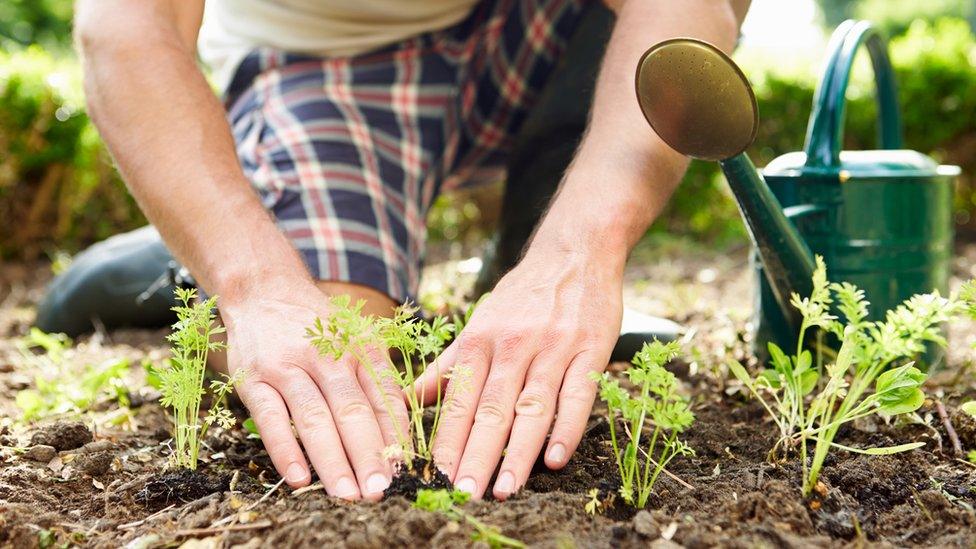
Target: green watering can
881, 219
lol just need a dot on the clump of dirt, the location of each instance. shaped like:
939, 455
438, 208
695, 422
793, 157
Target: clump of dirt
424, 474
180, 486
63, 435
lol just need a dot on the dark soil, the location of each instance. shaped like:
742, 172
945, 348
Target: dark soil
179, 486
117, 490
423, 474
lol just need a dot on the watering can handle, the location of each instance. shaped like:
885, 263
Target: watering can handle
826, 128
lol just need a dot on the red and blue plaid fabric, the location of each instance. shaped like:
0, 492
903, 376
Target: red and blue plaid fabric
349, 153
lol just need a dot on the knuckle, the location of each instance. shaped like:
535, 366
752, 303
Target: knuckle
532, 404
354, 410
313, 416
509, 345
473, 347
575, 398
491, 414
456, 409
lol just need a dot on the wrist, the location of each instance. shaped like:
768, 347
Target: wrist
239, 286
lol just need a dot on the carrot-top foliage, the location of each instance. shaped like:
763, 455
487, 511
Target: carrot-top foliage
658, 408
347, 332
872, 372
181, 383
448, 502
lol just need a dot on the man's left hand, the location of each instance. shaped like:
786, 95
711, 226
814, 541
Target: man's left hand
525, 358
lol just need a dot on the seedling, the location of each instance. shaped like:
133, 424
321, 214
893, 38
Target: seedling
594, 504
657, 406
365, 338
182, 382
52, 395
877, 354
446, 502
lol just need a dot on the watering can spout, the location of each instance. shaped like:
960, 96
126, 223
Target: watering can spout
701, 104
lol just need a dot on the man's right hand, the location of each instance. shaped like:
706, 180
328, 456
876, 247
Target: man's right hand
337, 410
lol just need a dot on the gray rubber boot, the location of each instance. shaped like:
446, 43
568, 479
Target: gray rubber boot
543, 150
122, 281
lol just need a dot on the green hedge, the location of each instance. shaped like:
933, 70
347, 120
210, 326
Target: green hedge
58, 189
936, 72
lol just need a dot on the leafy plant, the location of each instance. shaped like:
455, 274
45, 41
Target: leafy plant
659, 406
347, 332
182, 383
872, 372
52, 395
446, 502
594, 504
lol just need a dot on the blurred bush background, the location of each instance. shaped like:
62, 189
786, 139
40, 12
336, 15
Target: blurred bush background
58, 190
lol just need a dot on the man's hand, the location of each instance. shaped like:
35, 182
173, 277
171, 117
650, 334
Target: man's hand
554, 318
337, 410
525, 357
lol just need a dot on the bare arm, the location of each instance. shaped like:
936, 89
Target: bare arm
555, 317
175, 150
167, 131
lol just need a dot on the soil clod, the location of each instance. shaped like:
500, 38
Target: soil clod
180, 486
63, 435
41, 452
424, 474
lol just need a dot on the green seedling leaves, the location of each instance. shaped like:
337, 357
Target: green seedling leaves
347, 332
873, 354
657, 407
969, 407
52, 396
440, 501
448, 502
898, 390
181, 382
251, 427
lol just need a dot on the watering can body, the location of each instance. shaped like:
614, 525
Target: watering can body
881, 219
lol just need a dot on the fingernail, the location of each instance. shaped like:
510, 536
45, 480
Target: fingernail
557, 453
505, 483
466, 484
295, 473
377, 482
345, 488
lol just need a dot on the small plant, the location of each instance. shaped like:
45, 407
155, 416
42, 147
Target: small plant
594, 504
182, 382
51, 395
657, 406
365, 338
872, 372
446, 502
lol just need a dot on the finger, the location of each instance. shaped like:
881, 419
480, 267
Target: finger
534, 411
492, 424
432, 381
575, 404
271, 417
315, 426
357, 425
457, 413
385, 399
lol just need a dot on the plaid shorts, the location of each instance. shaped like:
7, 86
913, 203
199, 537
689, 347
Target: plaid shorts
349, 153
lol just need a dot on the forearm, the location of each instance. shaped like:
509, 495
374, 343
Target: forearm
623, 174
173, 146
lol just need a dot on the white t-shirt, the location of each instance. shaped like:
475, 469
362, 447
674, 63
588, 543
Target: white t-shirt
232, 28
